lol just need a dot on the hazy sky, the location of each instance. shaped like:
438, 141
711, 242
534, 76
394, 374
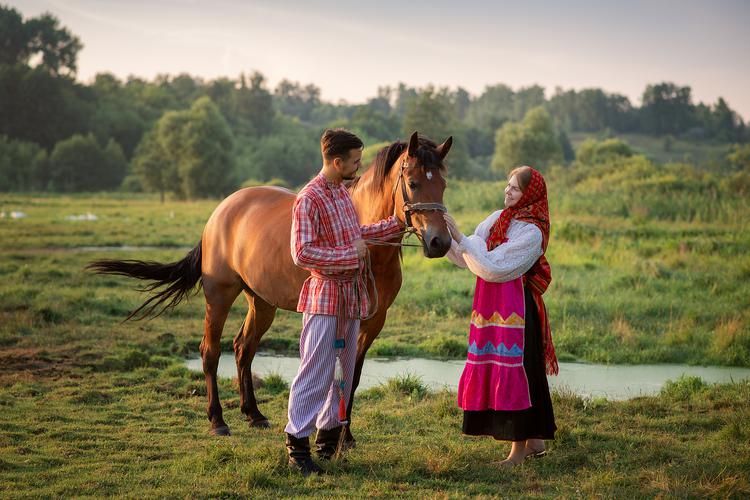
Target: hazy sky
348, 49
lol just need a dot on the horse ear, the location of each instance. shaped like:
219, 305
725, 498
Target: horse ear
413, 144
445, 147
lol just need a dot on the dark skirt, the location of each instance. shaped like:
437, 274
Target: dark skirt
537, 422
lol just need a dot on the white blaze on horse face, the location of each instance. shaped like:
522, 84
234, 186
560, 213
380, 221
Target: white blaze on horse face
429, 175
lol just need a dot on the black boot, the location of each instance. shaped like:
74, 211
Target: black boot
327, 441
299, 455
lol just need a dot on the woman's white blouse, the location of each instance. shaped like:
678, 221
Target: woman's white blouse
507, 261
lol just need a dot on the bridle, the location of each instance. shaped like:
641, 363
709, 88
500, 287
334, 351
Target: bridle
409, 207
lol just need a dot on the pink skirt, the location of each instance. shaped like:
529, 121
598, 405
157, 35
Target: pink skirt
494, 377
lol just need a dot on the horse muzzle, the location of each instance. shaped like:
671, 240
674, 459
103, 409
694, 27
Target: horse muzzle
434, 244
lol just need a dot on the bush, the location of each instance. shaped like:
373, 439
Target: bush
80, 164
409, 385
683, 388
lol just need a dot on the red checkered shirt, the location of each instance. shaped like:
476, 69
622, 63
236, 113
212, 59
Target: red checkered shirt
324, 227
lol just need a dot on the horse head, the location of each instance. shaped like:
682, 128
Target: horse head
418, 187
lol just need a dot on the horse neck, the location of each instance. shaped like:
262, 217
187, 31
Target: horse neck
373, 204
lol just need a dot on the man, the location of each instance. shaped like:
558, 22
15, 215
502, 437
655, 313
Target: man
327, 240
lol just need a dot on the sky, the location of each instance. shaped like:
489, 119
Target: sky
349, 49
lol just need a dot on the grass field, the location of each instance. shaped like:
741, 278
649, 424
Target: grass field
94, 407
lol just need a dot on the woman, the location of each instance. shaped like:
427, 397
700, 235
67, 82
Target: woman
503, 389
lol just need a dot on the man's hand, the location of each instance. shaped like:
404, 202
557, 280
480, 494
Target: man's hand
361, 248
453, 228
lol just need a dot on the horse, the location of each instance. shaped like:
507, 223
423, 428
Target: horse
246, 248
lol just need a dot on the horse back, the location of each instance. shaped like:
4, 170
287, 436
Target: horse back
247, 241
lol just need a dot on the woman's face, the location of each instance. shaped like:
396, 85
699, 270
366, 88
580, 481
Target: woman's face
513, 192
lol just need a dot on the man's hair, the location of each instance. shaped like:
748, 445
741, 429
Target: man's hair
337, 142
524, 176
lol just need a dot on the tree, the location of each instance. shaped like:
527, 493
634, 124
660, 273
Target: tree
254, 105
491, 109
188, 153
725, 124
38, 107
22, 165
533, 141
292, 154
152, 166
295, 100
80, 164
207, 159
666, 109
433, 114
40, 36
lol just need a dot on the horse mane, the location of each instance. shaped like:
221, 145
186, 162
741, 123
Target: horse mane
381, 166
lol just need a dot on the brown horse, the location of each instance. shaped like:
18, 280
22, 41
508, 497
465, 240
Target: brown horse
245, 247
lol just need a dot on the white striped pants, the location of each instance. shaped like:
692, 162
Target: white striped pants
313, 397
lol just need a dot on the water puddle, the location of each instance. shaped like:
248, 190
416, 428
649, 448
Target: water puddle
610, 381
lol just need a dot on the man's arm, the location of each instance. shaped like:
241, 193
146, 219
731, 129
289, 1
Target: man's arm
382, 229
307, 253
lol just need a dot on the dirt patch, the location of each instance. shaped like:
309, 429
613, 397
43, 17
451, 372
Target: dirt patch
15, 362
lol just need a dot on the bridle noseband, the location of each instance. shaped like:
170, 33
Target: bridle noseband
409, 208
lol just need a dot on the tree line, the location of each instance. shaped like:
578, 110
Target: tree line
195, 138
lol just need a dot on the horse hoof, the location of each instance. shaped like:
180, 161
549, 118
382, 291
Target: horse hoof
260, 424
220, 431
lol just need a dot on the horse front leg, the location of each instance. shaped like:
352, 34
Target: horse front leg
260, 316
367, 332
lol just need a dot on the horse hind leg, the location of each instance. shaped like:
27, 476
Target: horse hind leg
260, 315
219, 299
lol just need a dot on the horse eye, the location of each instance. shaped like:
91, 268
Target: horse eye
412, 185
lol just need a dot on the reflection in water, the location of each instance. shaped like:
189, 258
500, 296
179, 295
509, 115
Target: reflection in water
610, 381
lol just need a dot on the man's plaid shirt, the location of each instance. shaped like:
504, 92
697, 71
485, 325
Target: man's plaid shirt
324, 227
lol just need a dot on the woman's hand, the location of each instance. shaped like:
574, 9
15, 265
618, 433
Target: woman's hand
456, 233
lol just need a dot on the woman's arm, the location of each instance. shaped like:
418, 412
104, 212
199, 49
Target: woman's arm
455, 254
507, 261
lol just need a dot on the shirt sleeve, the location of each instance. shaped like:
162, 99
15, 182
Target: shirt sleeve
455, 254
507, 261
381, 229
307, 252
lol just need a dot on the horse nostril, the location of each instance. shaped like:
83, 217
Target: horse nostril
435, 242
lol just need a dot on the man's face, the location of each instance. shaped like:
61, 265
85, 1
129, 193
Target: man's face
347, 167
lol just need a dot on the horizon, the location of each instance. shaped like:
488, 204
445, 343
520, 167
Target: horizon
619, 49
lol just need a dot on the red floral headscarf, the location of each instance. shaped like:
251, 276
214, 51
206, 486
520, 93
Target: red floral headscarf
534, 209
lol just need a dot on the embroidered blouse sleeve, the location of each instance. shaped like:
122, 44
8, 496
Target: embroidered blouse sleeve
507, 261
455, 253
307, 251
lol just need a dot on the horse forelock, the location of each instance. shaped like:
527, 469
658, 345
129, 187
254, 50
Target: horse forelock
427, 157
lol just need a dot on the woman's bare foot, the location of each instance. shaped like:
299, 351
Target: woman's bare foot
516, 455
534, 447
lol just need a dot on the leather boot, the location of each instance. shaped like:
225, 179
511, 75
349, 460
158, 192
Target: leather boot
299, 456
327, 441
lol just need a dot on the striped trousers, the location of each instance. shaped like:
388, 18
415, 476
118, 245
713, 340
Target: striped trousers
313, 397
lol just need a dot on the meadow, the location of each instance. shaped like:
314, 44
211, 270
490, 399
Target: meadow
92, 406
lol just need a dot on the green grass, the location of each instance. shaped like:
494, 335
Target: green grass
94, 407
71, 429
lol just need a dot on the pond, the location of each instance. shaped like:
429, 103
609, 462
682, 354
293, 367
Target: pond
593, 380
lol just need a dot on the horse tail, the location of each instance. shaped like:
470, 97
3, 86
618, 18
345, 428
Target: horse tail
178, 279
